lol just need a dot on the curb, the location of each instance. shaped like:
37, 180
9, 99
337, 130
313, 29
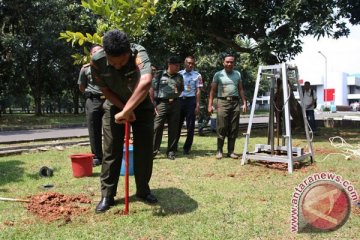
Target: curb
44, 139
38, 147
51, 126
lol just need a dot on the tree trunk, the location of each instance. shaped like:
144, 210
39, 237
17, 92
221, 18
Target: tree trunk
76, 101
296, 113
35, 87
295, 108
38, 110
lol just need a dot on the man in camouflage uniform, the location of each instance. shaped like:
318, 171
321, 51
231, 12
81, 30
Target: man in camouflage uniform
165, 91
204, 117
227, 87
94, 108
123, 73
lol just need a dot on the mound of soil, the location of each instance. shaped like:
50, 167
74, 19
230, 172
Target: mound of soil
302, 166
52, 206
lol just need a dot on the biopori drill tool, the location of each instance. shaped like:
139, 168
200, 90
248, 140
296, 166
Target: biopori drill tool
127, 136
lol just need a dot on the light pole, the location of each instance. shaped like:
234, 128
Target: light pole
325, 79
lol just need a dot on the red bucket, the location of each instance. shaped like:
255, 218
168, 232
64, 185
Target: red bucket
82, 164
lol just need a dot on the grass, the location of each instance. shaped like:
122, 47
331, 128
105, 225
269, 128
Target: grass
11, 121
199, 197
30, 120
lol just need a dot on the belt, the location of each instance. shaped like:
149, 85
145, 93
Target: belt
187, 97
92, 95
166, 100
229, 98
100, 97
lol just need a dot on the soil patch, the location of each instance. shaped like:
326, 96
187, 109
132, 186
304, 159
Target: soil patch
302, 166
52, 206
356, 210
325, 150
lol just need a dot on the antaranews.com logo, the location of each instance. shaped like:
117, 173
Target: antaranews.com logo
322, 202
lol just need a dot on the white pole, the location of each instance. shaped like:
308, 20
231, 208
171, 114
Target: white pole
325, 79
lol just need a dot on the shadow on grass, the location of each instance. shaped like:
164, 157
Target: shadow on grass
192, 155
173, 201
36, 175
11, 171
96, 174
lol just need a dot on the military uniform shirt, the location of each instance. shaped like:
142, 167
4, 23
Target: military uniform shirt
167, 86
122, 82
192, 81
227, 83
86, 80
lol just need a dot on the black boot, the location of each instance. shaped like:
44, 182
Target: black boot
104, 204
220, 145
201, 132
231, 147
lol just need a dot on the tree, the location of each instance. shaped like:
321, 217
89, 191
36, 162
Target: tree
30, 49
129, 16
275, 27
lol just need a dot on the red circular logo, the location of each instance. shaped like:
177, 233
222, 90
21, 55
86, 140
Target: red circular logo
325, 206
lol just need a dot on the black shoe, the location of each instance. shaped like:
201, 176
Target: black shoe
155, 153
96, 162
149, 199
186, 152
171, 156
201, 132
219, 155
104, 204
232, 155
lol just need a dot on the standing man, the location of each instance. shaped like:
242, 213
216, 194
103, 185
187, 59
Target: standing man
123, 72
189, 101
310, 105
228, 89
165, 91
93, 107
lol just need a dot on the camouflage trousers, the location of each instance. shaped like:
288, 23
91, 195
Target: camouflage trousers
203, 118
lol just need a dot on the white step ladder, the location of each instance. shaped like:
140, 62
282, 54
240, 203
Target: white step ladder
269, 152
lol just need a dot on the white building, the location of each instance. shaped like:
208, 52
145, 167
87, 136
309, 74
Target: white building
342, 89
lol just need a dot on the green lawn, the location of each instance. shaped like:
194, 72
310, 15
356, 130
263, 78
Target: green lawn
199, 197
8, 121
11, 121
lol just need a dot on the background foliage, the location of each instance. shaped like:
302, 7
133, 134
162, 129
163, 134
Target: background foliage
37, 72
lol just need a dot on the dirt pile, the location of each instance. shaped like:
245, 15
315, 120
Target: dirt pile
52, 206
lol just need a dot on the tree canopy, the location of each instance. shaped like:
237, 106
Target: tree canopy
34, 61
274, 27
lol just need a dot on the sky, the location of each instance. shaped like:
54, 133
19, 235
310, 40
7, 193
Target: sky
343, 55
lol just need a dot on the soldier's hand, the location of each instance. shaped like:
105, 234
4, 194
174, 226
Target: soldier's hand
123, 117
197, 110
244, 108
210, 110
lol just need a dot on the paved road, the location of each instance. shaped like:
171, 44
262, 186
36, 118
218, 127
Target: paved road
45, 134
58, 133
